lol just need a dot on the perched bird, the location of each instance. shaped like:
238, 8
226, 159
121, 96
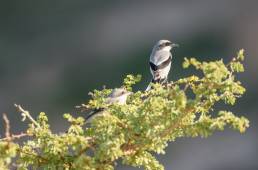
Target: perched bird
160, 61
118, 96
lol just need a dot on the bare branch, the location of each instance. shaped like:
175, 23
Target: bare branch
8, 135
13, 137
7, 127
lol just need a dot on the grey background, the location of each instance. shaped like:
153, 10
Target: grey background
53, 52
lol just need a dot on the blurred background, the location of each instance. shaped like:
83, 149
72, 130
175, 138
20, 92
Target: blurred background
53, 52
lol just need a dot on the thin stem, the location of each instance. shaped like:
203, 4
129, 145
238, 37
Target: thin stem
26, 114
13, 137
7, 127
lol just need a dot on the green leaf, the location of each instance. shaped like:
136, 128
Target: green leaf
240, 55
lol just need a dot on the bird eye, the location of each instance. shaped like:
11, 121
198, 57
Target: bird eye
168, 43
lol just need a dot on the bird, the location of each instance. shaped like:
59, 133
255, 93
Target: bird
160, 61
117, 96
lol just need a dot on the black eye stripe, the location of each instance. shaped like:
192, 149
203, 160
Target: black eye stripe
168, 43
165, 44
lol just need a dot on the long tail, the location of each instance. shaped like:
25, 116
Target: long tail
93, 113
148, 87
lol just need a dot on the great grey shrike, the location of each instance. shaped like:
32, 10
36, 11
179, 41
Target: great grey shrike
118, 96
160, 61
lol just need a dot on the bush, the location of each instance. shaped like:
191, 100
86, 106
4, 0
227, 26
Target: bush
131, 132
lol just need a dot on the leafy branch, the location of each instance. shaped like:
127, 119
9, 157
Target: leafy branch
134, 131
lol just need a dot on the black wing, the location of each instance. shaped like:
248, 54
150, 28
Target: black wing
94, 112
153, 66
162, 65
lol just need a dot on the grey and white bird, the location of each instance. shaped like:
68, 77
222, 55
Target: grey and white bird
160, 61
118, 96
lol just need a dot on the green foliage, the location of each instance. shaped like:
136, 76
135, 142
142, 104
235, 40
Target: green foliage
7, 152
133, 132
131, 80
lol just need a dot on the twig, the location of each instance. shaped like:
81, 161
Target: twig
26, 114
91, 145
17, 136
7, 127
186, 87
8, 135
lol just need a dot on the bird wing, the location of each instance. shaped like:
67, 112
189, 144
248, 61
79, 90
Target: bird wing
111, 100
159, 57
94, 113
162, 65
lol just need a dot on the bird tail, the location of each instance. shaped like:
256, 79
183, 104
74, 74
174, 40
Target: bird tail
148, 87
93, 114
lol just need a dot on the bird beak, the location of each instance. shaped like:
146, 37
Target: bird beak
174, 45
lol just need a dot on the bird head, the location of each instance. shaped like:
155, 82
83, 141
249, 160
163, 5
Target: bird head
165, 45
118, 95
